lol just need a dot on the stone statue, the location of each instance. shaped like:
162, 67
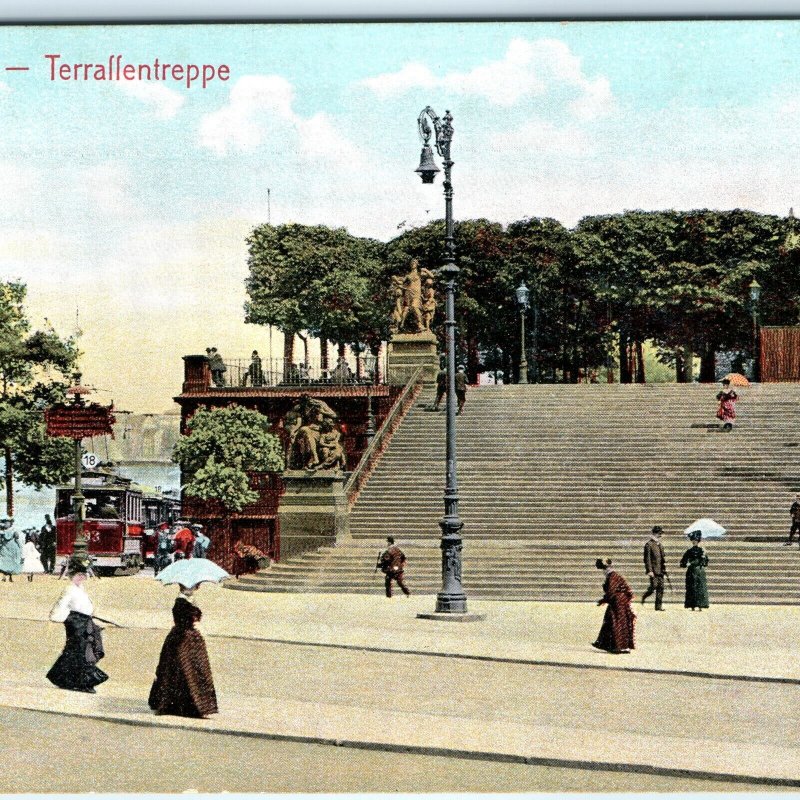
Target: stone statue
410, 314
308, 422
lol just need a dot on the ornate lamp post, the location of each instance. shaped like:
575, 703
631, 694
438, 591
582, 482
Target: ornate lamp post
451, 599
755, 295
522, 300
81, 547
370, 363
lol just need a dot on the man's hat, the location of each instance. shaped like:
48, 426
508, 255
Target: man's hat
658, 529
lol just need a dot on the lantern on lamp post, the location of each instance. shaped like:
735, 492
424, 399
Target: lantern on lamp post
523, 294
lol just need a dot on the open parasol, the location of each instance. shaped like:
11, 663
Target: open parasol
189, 572
736, 379
707, 527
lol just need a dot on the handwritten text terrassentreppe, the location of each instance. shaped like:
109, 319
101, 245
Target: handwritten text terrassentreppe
115, 70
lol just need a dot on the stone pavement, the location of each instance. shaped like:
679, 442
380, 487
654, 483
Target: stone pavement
723, 643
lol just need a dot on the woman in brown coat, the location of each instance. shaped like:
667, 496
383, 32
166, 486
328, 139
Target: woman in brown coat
616, 633
184, 685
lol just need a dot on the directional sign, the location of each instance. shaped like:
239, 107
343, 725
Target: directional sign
79, 422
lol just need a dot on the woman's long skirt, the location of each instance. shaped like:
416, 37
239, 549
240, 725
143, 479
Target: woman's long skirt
76, 667
616, 632
184, 685
696, 588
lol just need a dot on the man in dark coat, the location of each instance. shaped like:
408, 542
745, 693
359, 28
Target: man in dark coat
441, 387
392, 562
655, 565
47, 543
794, 511
217, 367
461, 388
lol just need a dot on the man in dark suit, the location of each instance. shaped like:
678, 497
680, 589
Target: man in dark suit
655, 565
392, 563
47, 542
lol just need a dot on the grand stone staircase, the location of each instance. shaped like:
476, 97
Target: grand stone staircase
551, 477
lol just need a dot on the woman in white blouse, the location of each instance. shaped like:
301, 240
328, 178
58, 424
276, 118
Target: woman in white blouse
76, 667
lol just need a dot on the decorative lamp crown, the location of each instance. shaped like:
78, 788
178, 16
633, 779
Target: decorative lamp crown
427, 168
755, 290
522, 295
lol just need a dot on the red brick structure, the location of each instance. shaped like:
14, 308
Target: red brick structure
257, 524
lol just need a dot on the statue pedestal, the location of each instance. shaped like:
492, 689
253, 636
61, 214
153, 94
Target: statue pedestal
312, 512
407, 351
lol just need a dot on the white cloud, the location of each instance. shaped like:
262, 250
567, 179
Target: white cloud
539, 136
238, 124
528, 69
164, 103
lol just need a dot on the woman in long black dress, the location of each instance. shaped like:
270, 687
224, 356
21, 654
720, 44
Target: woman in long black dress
76, 668
184, 685
695, 561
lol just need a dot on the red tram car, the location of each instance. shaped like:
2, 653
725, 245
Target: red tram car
118, 513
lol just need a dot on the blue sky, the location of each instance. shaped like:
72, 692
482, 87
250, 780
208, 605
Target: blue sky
131, 202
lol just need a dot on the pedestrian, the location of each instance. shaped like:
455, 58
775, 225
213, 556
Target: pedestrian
255, 371
726, 411
794, 512
655, 565
201, 542
47, 543
184, 541
217, 367
617, 631
76, 668
441, 387
461, 387
10, 551
695, 562
184, 685
31, 563
392, 563
164, 548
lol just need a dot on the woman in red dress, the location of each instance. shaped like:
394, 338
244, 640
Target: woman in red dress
726, 411
616, 633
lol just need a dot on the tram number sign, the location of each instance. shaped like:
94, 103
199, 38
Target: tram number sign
89, 460
79, 422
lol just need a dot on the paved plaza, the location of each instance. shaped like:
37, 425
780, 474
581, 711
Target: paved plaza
362, 675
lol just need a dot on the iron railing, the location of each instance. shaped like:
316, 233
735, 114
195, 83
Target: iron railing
358, 477
243, 372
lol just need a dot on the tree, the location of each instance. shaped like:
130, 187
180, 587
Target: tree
34, 368
223, 445
318, 279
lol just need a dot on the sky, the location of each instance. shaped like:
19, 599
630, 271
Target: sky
128, 202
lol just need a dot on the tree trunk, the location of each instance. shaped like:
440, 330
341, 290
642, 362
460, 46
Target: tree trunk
688, 363
304, 340
680, 366
624, 363
342, 347
324, 363
473, 360
708, 364
288, 353
9, 482
376, 351
640, 377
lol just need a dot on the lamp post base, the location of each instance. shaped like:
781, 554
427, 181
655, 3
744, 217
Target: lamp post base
453, 617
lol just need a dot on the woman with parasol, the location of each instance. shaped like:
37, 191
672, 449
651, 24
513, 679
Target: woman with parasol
616, 633
695, 561
726, 410
184, 685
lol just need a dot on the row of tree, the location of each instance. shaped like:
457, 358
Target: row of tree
599, 290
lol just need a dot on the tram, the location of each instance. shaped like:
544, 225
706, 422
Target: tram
119, 520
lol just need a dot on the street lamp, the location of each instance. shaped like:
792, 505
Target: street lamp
370, 364
522, 300
451, 599
755, 295
80, 549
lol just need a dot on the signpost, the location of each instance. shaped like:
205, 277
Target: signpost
78, 421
